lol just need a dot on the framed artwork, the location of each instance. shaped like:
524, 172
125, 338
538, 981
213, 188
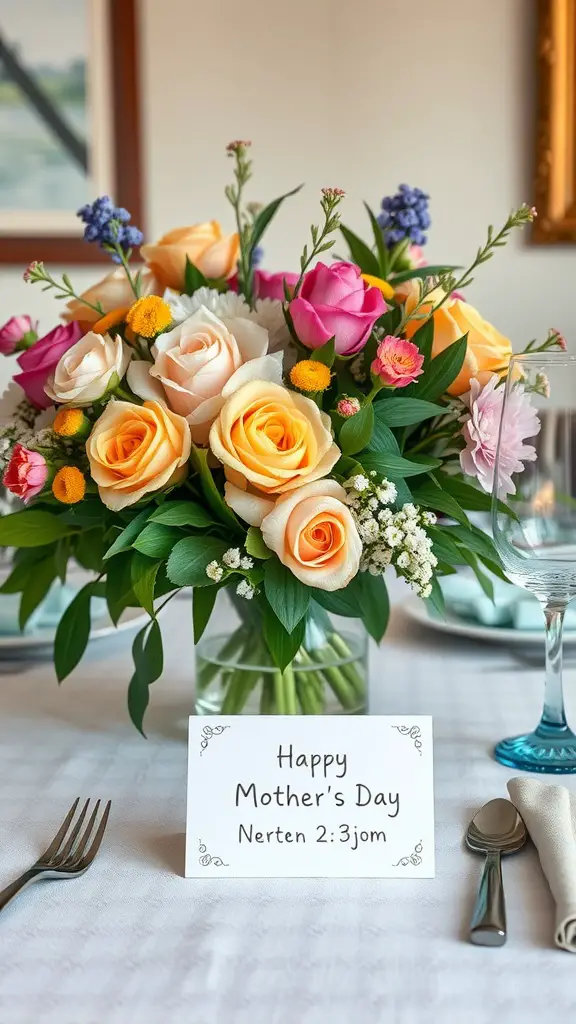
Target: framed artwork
68, 109
555, 176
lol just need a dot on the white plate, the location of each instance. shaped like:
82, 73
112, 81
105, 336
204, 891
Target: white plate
453, 624
30, 644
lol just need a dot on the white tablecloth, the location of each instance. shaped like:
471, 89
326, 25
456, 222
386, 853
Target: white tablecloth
133, 941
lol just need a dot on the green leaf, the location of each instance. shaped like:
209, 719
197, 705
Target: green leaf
156, 540
356, 431
326, 354
73, 632
18, 578
442, 370
474, 540
281, 644
382, 251
432, 270
31, 528
484, 581
193, 278
405, 412
255, 545
390, 465
36, 588
424, 340
127, 536
263, 219
471, 497
187, 564
89, 548
143, 572
148, 666
85, 513
429, 495
444, 547
199, 459
382, 440
287, 596
436, 599
340, 602
374, 604
203, 601
389, 320
119, 593
182, 513
361, 253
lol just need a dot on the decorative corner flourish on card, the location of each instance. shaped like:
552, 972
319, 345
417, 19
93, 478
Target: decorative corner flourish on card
206, 859
414, 858
208, 733
414, 732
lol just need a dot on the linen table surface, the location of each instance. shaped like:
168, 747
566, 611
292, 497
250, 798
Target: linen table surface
134, 941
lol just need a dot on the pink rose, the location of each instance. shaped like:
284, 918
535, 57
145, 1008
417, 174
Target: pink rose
14, 331
271, 286
334, 302
398, 362
26, 473
482, 427
39, 362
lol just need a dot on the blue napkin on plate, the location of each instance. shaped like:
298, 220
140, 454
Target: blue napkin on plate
513, 607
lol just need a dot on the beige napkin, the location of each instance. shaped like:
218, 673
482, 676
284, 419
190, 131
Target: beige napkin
550, 816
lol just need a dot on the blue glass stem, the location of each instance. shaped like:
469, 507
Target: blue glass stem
553, 717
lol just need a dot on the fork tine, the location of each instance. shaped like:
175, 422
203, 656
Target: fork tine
65, 851
75, 854
56, 842
88, 857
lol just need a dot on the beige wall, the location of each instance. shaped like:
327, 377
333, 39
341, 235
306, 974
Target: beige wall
361, 95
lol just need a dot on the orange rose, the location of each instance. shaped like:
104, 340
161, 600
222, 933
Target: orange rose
487, 351
214, 254
272, 440
135, 449
113, 292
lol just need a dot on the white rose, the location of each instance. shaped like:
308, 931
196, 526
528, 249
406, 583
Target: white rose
199, 362
88, 369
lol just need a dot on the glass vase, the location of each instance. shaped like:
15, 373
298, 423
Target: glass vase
235, 674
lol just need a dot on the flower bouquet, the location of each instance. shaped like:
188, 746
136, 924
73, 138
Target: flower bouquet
282, 438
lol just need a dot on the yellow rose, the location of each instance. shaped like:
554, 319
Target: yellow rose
487, 351
214, 254
113, 292
272, 440
135, 449
314, 535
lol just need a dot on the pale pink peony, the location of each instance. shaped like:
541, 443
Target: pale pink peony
482, 427
26, 473
398, 362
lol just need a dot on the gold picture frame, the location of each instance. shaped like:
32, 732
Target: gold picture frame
555, 177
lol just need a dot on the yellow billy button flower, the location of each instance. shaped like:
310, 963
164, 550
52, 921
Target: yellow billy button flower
379, 283
71, 423
310, 375
69, 485
149, 316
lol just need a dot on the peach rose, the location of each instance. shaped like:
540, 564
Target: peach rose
112, 292
487, 352
314, 535
272, 440
135, 449
213, 253
198, 363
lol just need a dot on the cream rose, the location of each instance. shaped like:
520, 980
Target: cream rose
199, 363
212, 252
135, 449
112, 292
272, 440
88, 369
314, 535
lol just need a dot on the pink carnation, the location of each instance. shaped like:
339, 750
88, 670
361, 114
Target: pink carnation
398, 362
14, 331
482, 428
26, 473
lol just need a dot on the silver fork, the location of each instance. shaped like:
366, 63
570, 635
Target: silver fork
70, 853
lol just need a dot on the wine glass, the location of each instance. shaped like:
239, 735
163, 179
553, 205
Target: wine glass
537, 544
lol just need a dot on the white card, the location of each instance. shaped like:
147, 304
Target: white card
335, 797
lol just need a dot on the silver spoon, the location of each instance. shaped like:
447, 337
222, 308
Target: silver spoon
495, 829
